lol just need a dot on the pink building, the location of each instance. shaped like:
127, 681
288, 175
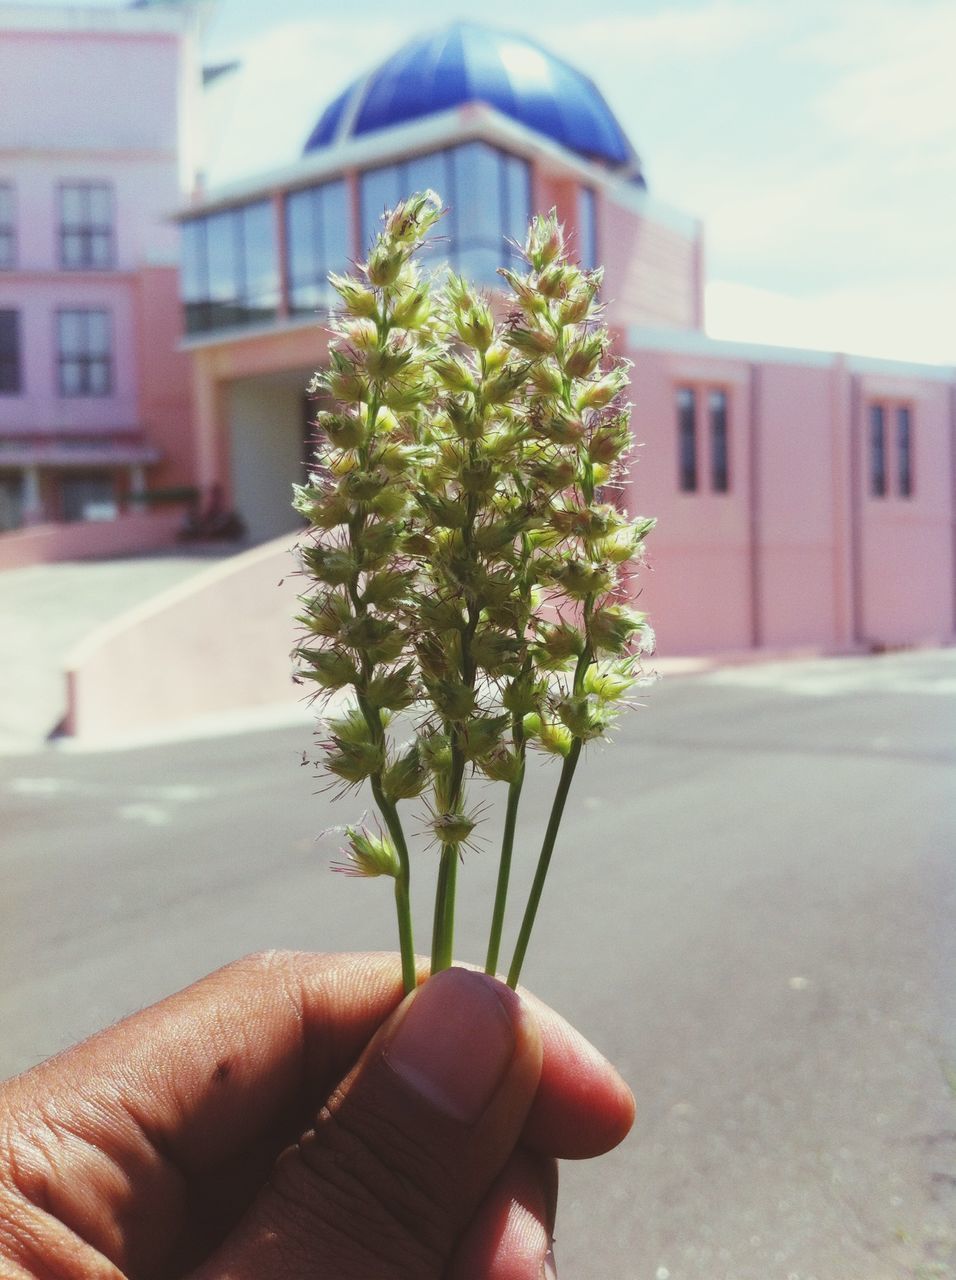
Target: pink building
94, 137
804, 498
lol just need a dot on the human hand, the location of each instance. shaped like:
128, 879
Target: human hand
192, 1139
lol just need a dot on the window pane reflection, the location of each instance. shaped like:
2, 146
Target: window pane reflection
230, 270
261, 293
517, 198
488, 195
587, 228
477, 180
317, 243
381, 190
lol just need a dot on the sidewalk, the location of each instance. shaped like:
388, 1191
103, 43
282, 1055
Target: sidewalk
46, 609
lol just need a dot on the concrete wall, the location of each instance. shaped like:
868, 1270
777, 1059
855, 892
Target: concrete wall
219, 642
127, 535
906, 571
697, 589
798, 552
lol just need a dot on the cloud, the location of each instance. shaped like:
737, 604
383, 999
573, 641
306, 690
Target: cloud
894, 79
902, 324
709, 30
259, 118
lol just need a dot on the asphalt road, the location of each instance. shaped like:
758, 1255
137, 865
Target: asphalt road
751, 911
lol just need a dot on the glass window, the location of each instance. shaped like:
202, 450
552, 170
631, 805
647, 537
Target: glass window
477, 193
192, 274
877, 451
587, 228
904, 452
428, 173
11, 500
229, 269
258, 244
431, 173
381, 189
317, 242
84, 353
517, 198
8, 240
303, 250
488, 194
86, 225
719, 472
224, 275
334, 223
88, 495
687, 439
9, 353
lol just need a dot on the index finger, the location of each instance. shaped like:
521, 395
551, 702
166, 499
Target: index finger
210, 1070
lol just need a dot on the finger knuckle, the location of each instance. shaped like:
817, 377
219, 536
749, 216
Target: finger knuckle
369, 1184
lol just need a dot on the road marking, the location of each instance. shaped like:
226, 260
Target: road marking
42, 786
150, 815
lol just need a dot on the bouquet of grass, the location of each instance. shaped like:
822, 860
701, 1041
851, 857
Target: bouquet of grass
469, 564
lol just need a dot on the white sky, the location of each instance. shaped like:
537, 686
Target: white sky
815, 138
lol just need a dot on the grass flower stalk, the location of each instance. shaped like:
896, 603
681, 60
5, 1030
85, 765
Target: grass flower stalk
467, 553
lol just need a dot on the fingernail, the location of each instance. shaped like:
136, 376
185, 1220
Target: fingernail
455, 1043
550, 1270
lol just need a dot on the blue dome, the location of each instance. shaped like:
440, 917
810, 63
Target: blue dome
465, 62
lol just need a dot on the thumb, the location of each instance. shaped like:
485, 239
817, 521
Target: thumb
405, 1149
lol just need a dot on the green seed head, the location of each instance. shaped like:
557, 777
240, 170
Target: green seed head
368, 855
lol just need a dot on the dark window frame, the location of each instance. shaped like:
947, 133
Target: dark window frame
890, 453
718, 434
11, 371
95, 240
8, 229
686, 401
85, 361
877, 458
903, 421
703, 420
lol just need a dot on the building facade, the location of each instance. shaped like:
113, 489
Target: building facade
804, 498
94, 137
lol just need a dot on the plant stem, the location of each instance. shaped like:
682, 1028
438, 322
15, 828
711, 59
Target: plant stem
557, 809
544, 861
389, 812
443, 933
443, 929
504, 869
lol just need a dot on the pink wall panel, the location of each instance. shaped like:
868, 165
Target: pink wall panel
40, 406
84, 76
652, 270
906, 544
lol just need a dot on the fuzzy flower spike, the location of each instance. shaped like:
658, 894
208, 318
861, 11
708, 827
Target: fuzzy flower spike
468, 562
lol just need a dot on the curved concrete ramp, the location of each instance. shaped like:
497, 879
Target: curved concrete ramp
218, 643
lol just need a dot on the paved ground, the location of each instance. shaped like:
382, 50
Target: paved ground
751, 911
46, 609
